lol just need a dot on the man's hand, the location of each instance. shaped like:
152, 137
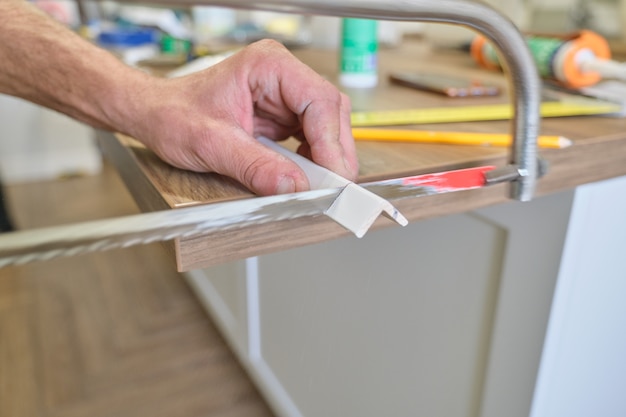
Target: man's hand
208, 121
205, 122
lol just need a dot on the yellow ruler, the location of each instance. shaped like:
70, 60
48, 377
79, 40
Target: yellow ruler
478, 113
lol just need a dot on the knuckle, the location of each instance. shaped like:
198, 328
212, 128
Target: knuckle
267, 47
257, 168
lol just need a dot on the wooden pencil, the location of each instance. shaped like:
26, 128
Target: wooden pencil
452, 138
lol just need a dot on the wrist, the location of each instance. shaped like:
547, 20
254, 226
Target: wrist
121, 102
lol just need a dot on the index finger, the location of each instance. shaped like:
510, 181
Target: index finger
324, 113
327, 129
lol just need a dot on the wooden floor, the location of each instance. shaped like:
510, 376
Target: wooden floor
116, 333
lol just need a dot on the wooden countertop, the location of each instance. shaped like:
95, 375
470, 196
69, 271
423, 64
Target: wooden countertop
599, 152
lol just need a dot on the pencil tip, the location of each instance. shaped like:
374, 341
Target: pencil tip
564, 142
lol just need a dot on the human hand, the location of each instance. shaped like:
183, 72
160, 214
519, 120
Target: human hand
208, 121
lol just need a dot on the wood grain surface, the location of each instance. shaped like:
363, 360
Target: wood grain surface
116, 333
599, 152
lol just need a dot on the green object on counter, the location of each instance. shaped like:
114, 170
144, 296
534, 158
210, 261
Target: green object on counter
359, 53
171, 45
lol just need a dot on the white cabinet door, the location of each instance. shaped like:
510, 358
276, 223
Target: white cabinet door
446, 317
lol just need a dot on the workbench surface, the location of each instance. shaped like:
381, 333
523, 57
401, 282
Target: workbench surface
598, 152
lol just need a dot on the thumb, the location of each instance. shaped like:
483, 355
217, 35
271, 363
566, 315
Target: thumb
259, 168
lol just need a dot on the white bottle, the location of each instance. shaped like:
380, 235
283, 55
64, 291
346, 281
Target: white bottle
211, 22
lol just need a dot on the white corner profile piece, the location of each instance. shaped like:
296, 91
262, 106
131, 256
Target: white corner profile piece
355, 208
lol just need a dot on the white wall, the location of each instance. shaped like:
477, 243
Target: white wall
40, 144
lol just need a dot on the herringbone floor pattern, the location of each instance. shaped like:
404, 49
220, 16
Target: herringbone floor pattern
116, 333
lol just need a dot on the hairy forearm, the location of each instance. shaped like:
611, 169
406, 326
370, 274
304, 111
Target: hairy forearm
206, 122
46, 63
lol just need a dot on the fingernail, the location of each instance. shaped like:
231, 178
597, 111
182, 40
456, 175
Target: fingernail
286, 185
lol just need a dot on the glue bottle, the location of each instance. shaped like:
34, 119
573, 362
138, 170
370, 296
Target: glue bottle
359, 53
575, 61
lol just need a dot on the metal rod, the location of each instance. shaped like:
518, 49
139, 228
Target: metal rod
42, 244
506, 38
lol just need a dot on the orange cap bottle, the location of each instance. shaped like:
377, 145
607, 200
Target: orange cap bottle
573, 61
